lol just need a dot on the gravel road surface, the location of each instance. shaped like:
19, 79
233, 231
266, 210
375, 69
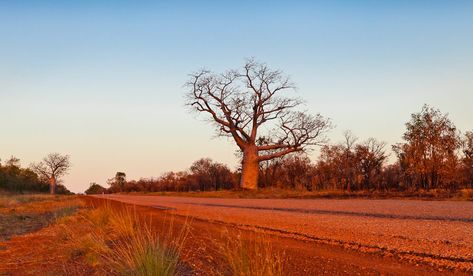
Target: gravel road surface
436, 232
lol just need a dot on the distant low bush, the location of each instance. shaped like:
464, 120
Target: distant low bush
95, 188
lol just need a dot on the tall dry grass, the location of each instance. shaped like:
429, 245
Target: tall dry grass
121, 242
252, 255
143, 253
118, 241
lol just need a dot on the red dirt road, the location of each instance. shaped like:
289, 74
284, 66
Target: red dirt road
438, 233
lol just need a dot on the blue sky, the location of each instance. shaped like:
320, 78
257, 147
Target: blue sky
103, 80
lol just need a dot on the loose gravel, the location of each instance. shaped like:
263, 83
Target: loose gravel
439, 233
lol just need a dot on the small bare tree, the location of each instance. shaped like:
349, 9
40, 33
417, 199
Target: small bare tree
349, 158
243, 103
370, 156
51, 168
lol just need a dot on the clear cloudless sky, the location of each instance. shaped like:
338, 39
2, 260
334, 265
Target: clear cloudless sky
103, 80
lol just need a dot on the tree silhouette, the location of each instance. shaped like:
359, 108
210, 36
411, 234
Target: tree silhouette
52, 168
244, 103
428, 156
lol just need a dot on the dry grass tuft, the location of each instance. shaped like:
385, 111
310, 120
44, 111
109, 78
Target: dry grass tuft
143, 253
121, 242
253, 256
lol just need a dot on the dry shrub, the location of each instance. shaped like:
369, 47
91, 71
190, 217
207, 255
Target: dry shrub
252, 256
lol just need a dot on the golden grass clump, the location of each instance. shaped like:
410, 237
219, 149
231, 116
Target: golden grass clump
121, 242
253, 256
143, 253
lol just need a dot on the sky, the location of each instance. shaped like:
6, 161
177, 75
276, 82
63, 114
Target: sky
103, 81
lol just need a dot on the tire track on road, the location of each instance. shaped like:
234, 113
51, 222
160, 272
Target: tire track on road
345, 213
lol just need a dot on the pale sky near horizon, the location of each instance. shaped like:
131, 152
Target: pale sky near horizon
103, 80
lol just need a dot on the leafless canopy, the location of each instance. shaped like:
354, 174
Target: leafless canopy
54, 165
243, 102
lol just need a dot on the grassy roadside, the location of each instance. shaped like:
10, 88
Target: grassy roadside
120, 242
22, 214
274, 193
8, 200
73, 237
62, 235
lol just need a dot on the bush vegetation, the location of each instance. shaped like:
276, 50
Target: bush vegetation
14, 178
433, 158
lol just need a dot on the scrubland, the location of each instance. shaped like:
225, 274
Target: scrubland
78, 235
65, 235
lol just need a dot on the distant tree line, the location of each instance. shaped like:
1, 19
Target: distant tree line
203, 175
432, 155
14, 178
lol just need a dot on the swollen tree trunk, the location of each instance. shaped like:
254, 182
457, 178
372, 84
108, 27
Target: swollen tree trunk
52, 185
250, 169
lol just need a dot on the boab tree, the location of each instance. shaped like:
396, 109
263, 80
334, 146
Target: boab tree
244, 103
51, 168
